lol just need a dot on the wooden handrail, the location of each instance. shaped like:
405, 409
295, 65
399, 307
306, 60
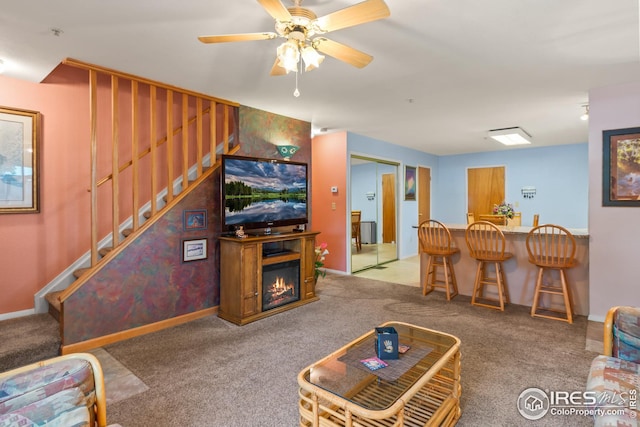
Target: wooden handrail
190, 141
109, 71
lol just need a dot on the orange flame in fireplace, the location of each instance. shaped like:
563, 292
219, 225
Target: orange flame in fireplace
279, 287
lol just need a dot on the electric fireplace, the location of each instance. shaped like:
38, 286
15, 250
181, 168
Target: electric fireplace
280, 284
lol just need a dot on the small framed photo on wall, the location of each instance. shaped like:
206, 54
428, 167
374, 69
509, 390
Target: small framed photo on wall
409, 183
194, 250
195, 220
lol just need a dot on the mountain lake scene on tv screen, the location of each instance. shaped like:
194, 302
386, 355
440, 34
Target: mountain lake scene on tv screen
257, 191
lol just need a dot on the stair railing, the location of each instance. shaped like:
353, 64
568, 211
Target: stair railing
153, 150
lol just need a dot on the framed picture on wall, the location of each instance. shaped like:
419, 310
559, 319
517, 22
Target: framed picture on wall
621, 167
409, 183
19, 177
194, 220
194, 250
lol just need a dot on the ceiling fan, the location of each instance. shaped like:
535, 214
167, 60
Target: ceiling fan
303, 33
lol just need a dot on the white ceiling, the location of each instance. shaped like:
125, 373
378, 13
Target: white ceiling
444, 71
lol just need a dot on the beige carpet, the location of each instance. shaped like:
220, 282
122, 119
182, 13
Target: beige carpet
212, 373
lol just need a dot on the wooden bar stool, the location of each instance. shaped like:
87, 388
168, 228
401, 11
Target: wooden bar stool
551, 247
487, 244
435, 241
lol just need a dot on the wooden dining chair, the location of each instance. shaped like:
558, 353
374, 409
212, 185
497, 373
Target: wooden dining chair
516, 220
435, 241
552, 247
494, 219
487, 244
355, 229
536, 220
470, 217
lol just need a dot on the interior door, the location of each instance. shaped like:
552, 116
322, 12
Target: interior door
485, 188
388, 208
424, 194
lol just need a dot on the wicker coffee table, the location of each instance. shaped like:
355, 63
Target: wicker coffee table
421, 388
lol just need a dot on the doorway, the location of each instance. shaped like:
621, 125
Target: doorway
485, 188
373, 190
424, 194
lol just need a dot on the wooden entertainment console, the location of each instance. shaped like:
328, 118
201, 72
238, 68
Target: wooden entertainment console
241, 266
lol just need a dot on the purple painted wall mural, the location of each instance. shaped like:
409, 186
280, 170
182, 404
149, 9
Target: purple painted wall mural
148, 281
262, 132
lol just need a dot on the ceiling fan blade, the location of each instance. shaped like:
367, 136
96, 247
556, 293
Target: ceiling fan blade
237, 37
276, 9
366, 11
277, 70
342, 52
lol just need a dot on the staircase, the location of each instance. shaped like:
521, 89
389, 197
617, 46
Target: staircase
53, 298
204, 128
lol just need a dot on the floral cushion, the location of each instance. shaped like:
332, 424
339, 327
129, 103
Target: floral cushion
58, 394
626, 334
614, 381
66, 408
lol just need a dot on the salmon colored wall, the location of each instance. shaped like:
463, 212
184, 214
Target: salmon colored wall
329, 159
35, 248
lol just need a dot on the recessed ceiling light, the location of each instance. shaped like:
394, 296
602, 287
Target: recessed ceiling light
510, 136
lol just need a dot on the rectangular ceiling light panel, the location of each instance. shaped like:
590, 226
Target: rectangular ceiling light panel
510, 136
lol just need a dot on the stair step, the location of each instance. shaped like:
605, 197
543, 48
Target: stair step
54, 304
79, 272
104, 251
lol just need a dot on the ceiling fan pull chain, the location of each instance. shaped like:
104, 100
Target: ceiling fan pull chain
296, 92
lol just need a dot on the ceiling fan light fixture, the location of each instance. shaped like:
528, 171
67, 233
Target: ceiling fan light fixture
288, 55
312, 59
510, 136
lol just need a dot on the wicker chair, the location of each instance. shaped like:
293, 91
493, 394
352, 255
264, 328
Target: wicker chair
487, 244
435, 241
551, 247
64, 390
616, 373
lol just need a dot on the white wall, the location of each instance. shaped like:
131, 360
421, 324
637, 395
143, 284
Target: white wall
614, 252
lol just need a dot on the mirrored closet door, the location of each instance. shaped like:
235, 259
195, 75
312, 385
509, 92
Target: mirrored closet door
373, 190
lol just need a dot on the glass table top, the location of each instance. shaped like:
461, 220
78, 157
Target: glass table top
343, 374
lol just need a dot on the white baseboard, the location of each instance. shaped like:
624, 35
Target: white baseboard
16, 314
343, 273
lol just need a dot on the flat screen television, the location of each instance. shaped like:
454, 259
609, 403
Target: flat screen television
263, 193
